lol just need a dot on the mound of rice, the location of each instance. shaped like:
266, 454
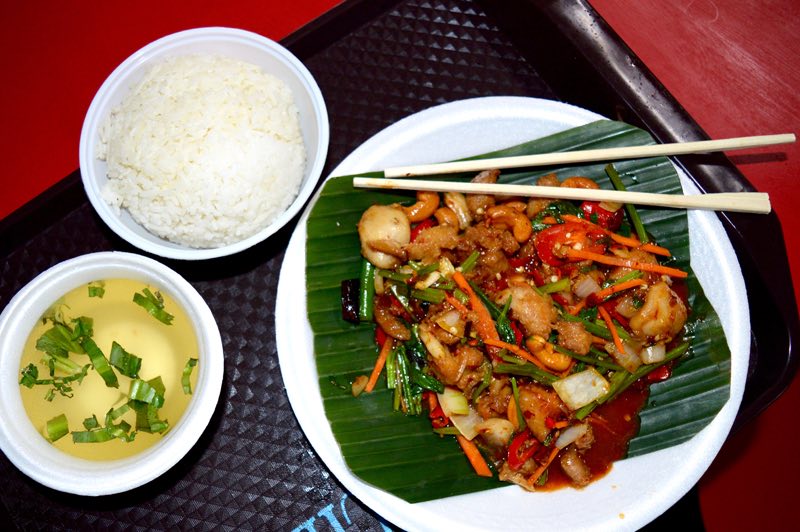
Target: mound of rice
205, 151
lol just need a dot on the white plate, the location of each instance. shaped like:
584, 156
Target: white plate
637, 490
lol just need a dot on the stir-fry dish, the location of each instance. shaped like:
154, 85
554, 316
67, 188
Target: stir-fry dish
529, 329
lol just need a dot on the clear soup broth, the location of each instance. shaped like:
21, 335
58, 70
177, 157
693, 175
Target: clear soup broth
164, 351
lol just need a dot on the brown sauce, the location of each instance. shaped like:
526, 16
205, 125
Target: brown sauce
614, 424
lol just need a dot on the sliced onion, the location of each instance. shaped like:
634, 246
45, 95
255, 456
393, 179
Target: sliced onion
453, 402
628, 359
432, 344
654, 353
451, 322
496, 431
571, 434
456, 407
626, 307
585, 286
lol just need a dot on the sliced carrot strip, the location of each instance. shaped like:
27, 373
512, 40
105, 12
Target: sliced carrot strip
577, 307
456, 304
541, 469
612, 328
616, 288
474, 456
511, 413
379, 363
517, 350
484, 324
625, 263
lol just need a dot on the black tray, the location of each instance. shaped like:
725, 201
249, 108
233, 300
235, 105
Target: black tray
376, 62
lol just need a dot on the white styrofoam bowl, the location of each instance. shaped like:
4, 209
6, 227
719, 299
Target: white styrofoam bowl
239, 44
27, 448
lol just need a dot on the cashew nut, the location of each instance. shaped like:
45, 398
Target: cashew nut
426, 205
543, 350
446, 216
579, 182
458, 204
508, 217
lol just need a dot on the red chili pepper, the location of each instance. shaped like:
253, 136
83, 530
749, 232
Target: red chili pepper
659, 374
438, 419
380, 336
424, 224
518, 336
594, 212
549, 241
522, 447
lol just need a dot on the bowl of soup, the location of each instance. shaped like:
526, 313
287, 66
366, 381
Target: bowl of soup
111, 368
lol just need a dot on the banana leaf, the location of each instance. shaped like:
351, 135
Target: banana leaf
399, 453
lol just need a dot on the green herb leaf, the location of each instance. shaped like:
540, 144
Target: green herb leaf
128, 364
154, 305
57, 427
97, 289
100, 363
187, 375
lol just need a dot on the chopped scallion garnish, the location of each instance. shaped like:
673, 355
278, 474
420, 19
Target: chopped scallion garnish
128, 364
154, 305
187, 375
57, 427
100, 363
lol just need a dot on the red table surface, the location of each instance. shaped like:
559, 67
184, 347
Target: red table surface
733, 65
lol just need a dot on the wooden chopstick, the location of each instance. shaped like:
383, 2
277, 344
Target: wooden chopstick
752, 202
582, 156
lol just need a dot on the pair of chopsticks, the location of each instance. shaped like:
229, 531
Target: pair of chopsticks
753, 202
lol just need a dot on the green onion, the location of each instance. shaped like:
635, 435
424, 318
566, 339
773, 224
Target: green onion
515, 392
128, 364
394, 276
431, 295
558, 286
366, 290
186, 376
100, 363
400, 291
146, 392
527, 370
447, 431
588, 360
460, 296
97, 289
485, 381
470, 262
425, 381
154, 305
91, 423
636, 221
147, 418
58, 341
92, 436
57, 428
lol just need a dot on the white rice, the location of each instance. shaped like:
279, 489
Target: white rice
205, 151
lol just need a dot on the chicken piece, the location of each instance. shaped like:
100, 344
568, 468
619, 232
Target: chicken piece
430, 242
478, 203
534, 311
661, 317
383, 231
572, 335
537, 404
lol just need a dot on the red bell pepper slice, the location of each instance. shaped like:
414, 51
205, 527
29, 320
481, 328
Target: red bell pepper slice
522, 447
593, 211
